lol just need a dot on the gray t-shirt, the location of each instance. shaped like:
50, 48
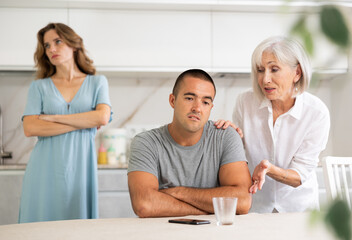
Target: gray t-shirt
156, 152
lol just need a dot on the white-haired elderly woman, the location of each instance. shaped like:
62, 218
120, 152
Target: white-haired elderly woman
284, 128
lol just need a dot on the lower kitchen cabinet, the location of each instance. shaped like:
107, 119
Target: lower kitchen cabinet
110, 205
10, 195
114, 198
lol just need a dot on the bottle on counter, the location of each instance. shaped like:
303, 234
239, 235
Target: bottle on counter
112, 158
102, 158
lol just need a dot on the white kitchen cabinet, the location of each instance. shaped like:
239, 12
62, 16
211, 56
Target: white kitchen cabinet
114, 199
19, 27
145, 39
10, 195
235, 36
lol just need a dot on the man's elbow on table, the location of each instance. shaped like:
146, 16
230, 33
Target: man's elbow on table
142, 209
244, 204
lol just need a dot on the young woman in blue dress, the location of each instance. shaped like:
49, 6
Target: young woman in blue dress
65, 106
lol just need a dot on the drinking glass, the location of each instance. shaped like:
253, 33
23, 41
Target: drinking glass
225, 210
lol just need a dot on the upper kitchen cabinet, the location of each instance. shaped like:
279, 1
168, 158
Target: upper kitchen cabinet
145, 40
236, 34
160, 36
19, 27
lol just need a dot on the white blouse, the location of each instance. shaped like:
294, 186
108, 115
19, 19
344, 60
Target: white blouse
294, 142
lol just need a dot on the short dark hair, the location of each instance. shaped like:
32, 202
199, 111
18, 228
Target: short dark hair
196, 73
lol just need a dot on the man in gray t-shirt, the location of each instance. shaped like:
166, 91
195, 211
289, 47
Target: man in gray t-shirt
175, 170
156, 152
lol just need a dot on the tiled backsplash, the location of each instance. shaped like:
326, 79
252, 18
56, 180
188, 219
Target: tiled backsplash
137, 103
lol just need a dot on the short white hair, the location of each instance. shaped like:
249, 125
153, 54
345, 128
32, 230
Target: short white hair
287, 51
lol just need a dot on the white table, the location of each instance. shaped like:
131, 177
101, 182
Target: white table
251, 226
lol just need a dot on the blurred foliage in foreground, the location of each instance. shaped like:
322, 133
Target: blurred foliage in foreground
337, 217
333, 25
329, 19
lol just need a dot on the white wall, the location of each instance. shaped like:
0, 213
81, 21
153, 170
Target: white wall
139, 101
135, 101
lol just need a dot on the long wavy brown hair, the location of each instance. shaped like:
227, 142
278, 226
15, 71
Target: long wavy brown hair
72, 39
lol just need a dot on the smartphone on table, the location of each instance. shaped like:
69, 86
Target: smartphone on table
189, 221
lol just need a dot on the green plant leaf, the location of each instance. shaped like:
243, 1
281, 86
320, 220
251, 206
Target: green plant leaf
338, 217
300, 25
300, 29
308, 42
315, 217
334, 26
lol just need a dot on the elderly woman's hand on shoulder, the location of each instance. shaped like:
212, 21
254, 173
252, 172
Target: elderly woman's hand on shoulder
227, 123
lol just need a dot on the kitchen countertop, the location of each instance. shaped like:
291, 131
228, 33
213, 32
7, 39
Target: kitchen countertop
23, 166
270, 226
13, 167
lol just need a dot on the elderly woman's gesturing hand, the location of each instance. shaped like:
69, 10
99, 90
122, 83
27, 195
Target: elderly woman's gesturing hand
258, 176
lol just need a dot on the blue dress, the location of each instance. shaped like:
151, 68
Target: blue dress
60, 181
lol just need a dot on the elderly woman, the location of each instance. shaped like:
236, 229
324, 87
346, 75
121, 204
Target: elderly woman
284, 128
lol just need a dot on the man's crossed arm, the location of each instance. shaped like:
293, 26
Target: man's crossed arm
149, 201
